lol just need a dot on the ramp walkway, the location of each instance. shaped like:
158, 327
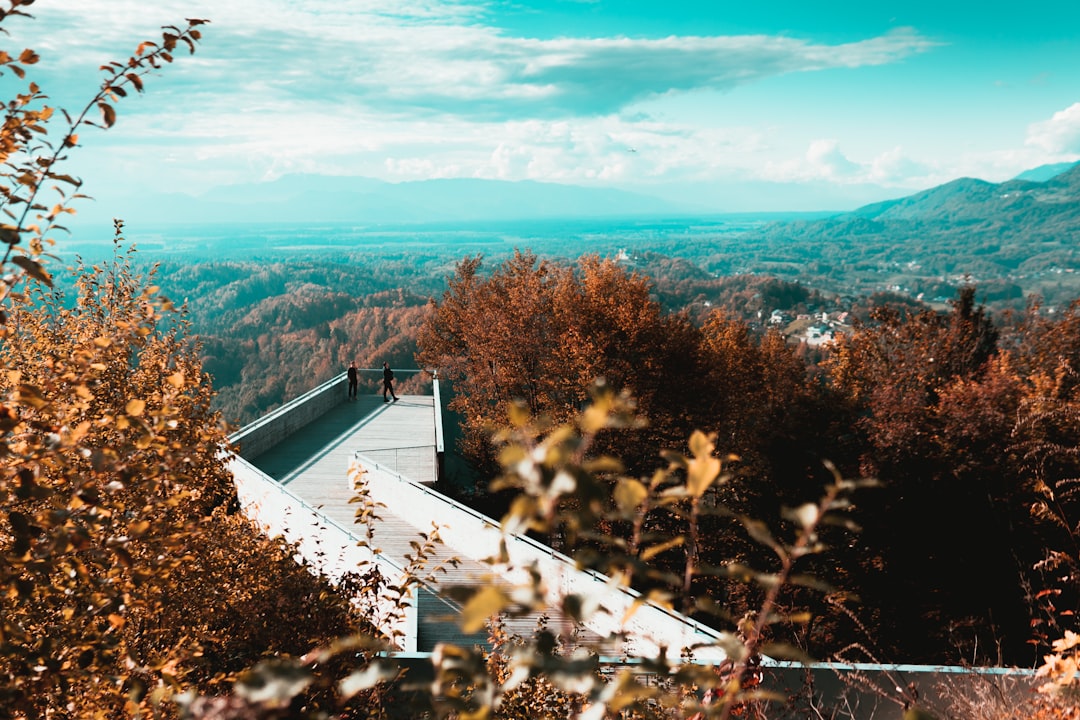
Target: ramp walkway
304, 470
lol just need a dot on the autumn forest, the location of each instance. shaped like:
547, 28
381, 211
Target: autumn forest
905, 424
963, 412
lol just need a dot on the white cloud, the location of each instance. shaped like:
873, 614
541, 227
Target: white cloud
424, 56
411, 89
826, 160
823, 160
894, 167
1058, 135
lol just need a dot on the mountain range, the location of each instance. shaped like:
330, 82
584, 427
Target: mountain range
1012, 239
1016, 208
327, 199
1040, 197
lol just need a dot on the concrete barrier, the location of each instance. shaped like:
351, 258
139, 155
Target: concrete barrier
649, 628
275, 427
327, 547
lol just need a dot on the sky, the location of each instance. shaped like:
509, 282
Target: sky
767, 105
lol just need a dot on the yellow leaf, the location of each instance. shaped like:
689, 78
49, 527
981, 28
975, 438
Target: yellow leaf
487, 601
30, 395
629, 494
651, 552
176, 380
117, 621
917, 714
135, 408
701, 472
103, 341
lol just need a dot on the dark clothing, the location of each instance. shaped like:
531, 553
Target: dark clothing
388, 383
352, 382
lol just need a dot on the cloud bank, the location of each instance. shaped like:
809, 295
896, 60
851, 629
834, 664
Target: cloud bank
414, 89
439, 58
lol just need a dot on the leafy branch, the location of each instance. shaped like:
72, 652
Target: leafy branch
30, 159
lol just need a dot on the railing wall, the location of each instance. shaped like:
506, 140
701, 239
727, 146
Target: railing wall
273, 428
326, 546
650, 628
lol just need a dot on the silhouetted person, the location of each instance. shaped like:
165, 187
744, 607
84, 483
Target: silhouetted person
387, 382
352, 380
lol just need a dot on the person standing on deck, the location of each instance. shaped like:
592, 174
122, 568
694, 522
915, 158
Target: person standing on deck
387, 382
353, 377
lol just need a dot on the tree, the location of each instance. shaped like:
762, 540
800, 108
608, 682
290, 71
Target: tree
1044, 434
120, 546
931, 406
542, 333
30, 160
119, 540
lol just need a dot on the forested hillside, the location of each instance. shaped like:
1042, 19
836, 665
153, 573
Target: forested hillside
1013, 239
282, 307
967, 425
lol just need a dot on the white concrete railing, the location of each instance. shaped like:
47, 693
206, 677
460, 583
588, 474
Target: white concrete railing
274, 427
440, 442
649, 628
325, 545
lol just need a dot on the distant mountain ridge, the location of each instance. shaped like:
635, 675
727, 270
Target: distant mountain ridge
971, 199
316, 198
1012, 239
1013, 206
1045, 172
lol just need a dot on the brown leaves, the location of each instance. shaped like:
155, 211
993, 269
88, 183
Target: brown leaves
24, 136
33, 268
108, 114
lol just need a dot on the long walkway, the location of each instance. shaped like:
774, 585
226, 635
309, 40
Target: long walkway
313, 464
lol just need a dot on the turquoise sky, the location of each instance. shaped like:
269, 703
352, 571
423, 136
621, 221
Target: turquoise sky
732, 106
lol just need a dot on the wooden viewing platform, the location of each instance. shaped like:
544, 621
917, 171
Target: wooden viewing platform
400, 436
314, 462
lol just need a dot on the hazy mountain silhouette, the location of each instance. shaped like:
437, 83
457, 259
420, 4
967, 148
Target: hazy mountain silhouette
1013, 209
1045, 172
316, 198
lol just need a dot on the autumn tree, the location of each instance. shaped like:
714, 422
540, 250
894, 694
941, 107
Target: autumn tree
121, 543
926, 396
126, 574
541, 333
1044, 432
